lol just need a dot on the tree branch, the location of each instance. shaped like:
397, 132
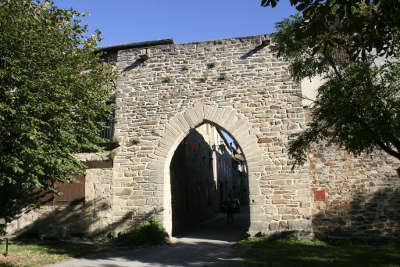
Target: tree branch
388, 150
378, 142
332, 63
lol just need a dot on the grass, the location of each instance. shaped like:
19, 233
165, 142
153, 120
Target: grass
318, 253
29, 254
39, 254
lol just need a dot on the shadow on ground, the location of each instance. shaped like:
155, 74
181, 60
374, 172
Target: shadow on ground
209, 244
218, 229
187, 252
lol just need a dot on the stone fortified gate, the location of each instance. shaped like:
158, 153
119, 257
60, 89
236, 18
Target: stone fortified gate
237, 84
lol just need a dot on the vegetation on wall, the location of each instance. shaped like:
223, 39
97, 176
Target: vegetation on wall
53, 98
354, 47
222, 77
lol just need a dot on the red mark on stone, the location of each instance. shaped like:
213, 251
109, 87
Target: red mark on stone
320, 195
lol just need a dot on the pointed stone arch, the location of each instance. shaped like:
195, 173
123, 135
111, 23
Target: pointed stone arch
230, 121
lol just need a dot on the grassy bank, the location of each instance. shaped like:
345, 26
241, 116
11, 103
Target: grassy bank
30, 254
35, 253
286, 253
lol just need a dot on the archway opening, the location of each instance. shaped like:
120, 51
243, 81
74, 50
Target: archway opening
209, 184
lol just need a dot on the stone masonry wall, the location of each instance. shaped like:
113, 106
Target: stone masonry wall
353, 196
91, 217
237, 84
362, 194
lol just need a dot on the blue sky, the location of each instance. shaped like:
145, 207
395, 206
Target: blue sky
124, 21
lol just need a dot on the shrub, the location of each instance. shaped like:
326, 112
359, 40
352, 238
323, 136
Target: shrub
146, 234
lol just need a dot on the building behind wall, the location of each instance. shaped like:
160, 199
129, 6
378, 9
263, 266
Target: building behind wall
230, 168
203, 173
193, 189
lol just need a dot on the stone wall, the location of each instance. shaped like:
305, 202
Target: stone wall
360, 194
240, 86
91, 217
236, 84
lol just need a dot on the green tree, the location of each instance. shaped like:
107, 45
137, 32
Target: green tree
53, 90
359, 26
354, 47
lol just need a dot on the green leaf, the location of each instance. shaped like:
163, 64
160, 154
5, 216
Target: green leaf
50, 99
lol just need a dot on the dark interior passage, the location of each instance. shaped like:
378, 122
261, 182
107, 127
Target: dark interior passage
192, 184
205, 175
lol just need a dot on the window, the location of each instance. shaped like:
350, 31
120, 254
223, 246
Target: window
108, 132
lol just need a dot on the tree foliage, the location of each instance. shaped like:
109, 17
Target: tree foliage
53, 90
359, 26
354, 47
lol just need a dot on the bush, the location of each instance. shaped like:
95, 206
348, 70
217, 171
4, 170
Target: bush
146, 234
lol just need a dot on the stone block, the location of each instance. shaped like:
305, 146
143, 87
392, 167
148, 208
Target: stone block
199, 110
171, 131
183, 125
273, 226
194, 117
122, 191
257, 226
219, 117
240, 128
230, 121
189, 120
177, 125
209, 113
156, 165
299, 225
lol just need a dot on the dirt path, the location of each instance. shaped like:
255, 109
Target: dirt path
209, 245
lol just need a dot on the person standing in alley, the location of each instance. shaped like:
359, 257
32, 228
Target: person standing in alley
230, 209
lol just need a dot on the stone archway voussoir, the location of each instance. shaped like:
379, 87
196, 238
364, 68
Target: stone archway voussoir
183, 123
192, 119
177, 126
240, 125
218, 117
249, 147
156, 164
170, 130
253, 158
229, 121
199, 110
209, 113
